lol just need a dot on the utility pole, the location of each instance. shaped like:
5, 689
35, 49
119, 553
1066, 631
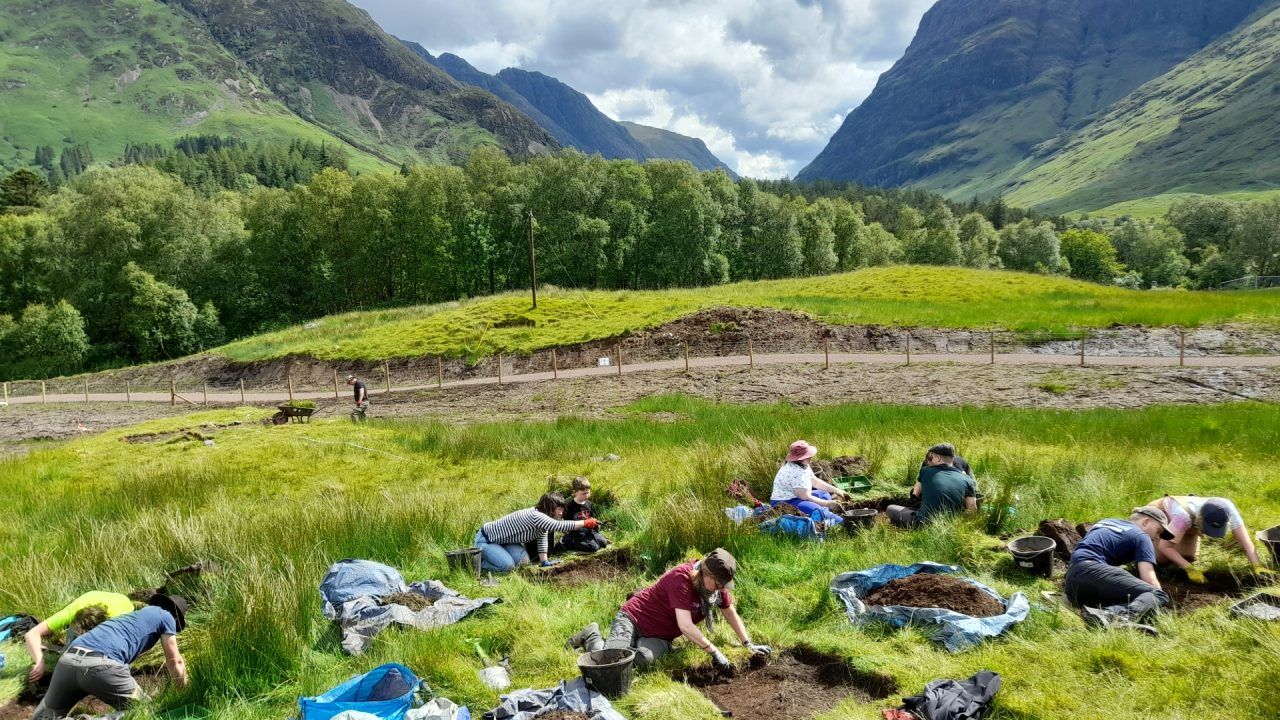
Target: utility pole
533, 263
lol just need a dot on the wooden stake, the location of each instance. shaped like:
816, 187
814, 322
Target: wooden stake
555, 365
241, 391
751, 355
289, 377
386, 374
908, 348
204, 392
993, 348
128, 395
1083, 335
439, 373
42, 400
173, 392
1182, 348
6, 393
619, 360
499, 369
686, 356
826, 353
86, 389
335, 384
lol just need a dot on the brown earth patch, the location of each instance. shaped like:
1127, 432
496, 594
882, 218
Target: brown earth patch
564, 715
880, 504
606, 565
930, 590
413, 601
1186, 596
795, 685
843, 466
1061, 532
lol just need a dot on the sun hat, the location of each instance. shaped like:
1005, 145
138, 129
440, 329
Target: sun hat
176, 605
801, 450
1214, 518
721, 566
1158, 515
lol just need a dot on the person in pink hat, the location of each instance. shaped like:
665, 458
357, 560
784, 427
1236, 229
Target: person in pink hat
796, 484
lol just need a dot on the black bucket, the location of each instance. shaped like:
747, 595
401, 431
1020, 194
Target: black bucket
608, 671
464, 559
1271, 538
855, 520
1034, 553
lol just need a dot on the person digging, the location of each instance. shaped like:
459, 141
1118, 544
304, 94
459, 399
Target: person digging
672, 607
796, 484
77, 618
97, 663
1096, 582
1190, 517
361, 395
942, 488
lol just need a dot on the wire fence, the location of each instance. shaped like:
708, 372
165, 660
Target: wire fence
224, 382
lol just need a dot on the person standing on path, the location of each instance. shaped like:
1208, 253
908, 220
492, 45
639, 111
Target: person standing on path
1096, 580
97, 663
502, 541
361, 397
1191, 516
77, 618
796, 484
942, 488
673, 606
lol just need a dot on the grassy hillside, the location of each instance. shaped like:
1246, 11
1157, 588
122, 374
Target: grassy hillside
1206, 126
1157, 205
401, 493
904, 296
659, 143
128, 71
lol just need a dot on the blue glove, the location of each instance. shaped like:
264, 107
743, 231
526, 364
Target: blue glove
549, 562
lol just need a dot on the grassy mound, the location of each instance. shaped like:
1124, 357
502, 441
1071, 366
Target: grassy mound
274, 506
901, 296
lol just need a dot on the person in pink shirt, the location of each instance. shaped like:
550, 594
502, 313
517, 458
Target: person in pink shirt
1190, 517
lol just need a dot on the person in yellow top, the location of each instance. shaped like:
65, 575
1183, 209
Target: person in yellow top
82, 615
1191, 516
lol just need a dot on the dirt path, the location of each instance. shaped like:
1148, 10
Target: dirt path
941, 384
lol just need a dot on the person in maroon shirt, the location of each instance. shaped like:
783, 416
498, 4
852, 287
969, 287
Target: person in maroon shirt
654, 617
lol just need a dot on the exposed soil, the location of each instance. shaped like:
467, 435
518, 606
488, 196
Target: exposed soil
1061, 532
149, 678
929, 590
563, 715
843, 466
192, 434
605, 565
795, 685
413, 601
1185, 596
880, 503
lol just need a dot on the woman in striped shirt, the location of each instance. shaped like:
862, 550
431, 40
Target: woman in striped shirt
502, 541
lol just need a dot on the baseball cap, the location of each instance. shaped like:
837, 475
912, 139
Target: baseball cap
1158, 515
946, 450
1214, 518
721, 566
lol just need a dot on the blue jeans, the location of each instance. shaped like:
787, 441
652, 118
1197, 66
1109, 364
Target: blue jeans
806, 506
500, 558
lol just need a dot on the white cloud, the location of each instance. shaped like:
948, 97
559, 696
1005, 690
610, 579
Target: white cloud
764, 83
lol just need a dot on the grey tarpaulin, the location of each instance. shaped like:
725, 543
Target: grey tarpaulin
572, 696
955, 700
954, 630
350, 593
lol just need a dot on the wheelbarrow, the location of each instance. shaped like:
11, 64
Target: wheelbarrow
292, 413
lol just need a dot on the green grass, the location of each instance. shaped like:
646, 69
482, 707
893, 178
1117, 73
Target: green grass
899, 296
276, 506
1157, 206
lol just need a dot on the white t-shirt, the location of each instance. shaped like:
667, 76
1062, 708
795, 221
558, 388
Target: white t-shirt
791, 477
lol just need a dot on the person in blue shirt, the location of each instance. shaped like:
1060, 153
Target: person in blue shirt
97, 663
1096, 578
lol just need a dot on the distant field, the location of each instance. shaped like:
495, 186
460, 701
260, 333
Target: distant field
1157, 205
896, 296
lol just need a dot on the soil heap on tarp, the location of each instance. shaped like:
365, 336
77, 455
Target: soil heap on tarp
778, 511
929, 590
796, 685
1061, 533
843, 466
413, 601
564, 715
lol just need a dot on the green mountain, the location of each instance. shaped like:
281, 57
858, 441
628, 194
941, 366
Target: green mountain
108, 73
571, 117
990, 90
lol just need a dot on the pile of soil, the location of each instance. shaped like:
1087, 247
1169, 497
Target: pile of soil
606, 566
843, 466
413, 601
1219, 585
797, 684
563, 715
1063, 534
929, 590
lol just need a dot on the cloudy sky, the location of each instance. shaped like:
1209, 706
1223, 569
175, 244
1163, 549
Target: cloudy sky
763, 82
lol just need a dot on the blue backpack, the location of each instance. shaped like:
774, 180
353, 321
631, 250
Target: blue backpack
386, 692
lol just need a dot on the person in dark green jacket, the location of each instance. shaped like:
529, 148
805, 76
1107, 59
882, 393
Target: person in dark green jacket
942, 488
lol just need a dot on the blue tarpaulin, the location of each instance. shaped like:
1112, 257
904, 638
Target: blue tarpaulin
954, 630
385, 692
572, 696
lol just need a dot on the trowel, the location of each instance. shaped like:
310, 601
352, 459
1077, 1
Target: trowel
496, 677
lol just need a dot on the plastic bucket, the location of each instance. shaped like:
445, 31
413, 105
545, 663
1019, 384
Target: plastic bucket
464, 559
855, 520
1271, 538
608, 671
1034, 553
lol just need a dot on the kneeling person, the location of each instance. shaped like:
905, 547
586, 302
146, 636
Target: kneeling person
1095, 578
942, 488
79, 617
97, 663
1190, 517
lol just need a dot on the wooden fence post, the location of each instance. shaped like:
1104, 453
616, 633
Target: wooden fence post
386, 373
86, 389
619, 348
1182, 348
686, 356
555, 365
42, 398
751, 355
204, 392
128, 394
335, 384
241, 391
993, 348
908, 347
173, 392
826, 353
1083, 335
6, 393
499, 369
289, 377
439, 373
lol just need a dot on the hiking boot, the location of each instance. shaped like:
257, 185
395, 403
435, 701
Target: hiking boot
1140, 627
579, 639
1095, 617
